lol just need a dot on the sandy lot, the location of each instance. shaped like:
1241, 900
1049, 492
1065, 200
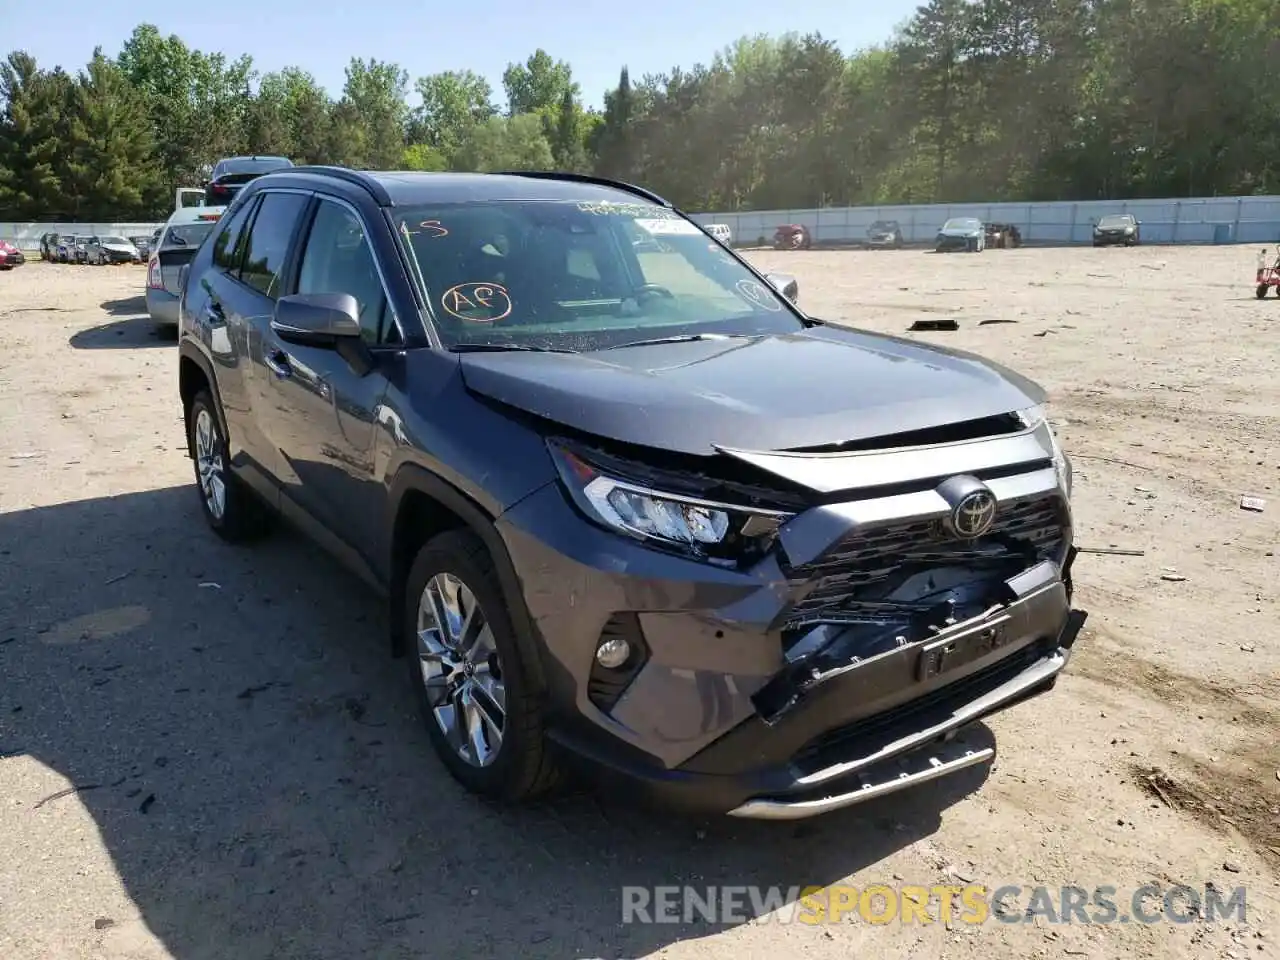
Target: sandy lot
205, 753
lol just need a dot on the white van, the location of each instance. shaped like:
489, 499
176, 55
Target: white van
721, 232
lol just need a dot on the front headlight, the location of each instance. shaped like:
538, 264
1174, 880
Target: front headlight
1128, 229
720, 533
1036, 418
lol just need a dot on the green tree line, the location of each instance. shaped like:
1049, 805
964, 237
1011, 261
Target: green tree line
970, 100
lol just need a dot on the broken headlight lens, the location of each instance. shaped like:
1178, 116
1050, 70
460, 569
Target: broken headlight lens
1036, 418
719, 533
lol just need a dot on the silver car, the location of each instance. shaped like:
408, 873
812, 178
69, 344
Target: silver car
179, 240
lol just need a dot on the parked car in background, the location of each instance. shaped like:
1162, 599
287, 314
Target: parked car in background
231, 174
885, 234
62, 251
10, 255
1003, 235
178, 241
721, 232
49, 247
961, 233
767, 566
77, 249
792, 236
100, 251
144, 246
1120, 228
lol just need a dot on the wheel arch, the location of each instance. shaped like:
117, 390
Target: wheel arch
424, 505
194, 373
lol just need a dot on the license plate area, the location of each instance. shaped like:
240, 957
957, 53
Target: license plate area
951, 652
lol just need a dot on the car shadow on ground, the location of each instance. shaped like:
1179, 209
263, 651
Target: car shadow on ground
125, 306
256, 768
127, 334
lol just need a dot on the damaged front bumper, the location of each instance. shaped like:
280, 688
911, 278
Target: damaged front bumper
839, 667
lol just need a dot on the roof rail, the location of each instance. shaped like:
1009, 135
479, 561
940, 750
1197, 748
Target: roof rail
586, 178
357, 177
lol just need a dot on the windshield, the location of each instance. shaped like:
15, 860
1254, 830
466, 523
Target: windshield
566, 275
885, 225
1115, 221
188, 234
962, 223
114, 240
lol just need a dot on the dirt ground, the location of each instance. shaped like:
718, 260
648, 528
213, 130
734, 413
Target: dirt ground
206, 753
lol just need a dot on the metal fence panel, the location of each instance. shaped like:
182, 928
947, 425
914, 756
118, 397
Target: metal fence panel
1201, 220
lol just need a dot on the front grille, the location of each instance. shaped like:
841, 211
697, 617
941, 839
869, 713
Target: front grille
832, 588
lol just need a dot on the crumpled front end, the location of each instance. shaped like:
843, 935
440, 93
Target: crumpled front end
917, 589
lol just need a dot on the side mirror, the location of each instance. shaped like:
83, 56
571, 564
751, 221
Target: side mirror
316, 319
324, 320
785, 284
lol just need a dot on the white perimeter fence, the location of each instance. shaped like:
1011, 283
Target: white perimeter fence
26, 236
1203, 221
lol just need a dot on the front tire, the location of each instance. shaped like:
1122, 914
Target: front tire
230, 509
1261, 292
470, 673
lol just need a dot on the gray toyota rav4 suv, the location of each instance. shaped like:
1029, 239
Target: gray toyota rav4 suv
628, 504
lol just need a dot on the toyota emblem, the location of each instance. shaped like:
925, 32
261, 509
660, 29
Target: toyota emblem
974, 514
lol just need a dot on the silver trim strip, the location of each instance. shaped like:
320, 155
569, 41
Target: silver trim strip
1033, 676
773, 810
835, 472
929, 504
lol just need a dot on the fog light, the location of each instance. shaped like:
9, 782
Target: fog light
613, 653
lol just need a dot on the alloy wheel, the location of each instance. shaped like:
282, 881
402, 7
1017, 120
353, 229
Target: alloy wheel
209, 463
461, 669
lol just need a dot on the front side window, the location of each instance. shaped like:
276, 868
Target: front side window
269, 239
338, 259
570, 275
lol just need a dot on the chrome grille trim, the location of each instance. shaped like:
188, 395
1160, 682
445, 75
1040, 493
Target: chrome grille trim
1033, 511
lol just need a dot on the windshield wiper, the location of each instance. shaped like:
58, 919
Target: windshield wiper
504, 347
683, 338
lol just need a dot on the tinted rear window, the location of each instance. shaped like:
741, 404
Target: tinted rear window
241, 170
188, 234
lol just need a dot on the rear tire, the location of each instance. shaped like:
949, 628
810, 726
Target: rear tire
517, 765
232, 511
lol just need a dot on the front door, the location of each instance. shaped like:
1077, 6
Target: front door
328, 412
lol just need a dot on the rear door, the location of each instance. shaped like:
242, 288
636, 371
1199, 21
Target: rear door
254, 280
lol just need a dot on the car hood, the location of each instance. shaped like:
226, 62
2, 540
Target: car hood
120, 247
823, 386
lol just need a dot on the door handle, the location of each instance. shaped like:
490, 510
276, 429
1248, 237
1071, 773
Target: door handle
278, 362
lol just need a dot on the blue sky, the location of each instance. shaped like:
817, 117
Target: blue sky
596, 37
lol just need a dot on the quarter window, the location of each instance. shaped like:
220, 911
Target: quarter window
269, 239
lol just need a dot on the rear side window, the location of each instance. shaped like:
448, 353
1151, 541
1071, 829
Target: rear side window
227, 246
269, 239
